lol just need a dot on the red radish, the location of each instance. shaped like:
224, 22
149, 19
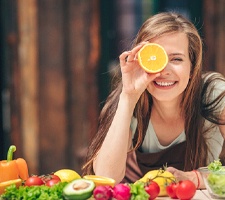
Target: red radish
121, 192
102, 192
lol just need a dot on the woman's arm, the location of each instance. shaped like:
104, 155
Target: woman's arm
111, 158
222, 127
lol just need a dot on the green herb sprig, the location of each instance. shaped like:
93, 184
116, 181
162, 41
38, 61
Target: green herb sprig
215, 166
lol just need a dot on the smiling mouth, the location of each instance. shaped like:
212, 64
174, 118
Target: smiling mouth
164, 84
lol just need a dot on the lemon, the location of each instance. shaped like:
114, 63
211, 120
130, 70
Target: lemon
67, 175
162, 177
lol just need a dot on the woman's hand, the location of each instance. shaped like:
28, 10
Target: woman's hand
193, 176
135, 79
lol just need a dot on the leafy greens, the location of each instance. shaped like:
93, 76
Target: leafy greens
34, 192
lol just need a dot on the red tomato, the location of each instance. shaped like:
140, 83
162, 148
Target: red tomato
185, 190
48, 177
53, 176
152, 189
52, 182
34, 180
171, 190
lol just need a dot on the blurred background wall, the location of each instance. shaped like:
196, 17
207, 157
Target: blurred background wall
57, 58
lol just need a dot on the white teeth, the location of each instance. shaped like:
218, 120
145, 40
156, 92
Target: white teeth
165, 83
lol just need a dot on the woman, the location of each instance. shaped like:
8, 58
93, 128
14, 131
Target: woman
174, 118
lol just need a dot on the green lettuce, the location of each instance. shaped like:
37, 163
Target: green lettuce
216, 178
34, 192
138, 191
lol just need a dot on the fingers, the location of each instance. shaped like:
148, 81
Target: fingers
177, 173
123, 57
171, 169
130, 56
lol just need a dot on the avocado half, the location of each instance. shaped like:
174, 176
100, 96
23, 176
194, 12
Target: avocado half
79, 189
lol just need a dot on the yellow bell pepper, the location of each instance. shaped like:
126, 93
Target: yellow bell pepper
13, 169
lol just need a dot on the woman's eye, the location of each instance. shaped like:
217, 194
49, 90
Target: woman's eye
176, 60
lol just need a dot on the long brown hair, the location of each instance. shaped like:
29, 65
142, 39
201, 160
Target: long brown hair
196, 151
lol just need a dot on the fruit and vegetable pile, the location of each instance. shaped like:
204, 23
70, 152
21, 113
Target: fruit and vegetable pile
66, 184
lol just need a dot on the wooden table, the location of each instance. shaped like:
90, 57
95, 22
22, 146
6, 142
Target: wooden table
199, 195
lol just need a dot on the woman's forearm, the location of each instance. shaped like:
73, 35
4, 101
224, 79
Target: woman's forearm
111, 159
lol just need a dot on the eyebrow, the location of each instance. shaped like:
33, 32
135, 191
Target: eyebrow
177, 54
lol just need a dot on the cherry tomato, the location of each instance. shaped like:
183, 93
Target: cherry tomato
34, 180
52, 182
171, 190
55, 177
48, 177
185, 190
152, 188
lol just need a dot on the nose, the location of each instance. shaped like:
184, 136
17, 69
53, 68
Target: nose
166, 70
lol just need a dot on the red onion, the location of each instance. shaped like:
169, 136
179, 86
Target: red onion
121, 192
102, 192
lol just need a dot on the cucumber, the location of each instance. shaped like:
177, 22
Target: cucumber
79, 189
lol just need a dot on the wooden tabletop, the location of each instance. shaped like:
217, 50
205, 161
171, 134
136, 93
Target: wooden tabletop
199, 195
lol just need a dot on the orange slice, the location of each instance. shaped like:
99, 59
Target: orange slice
5, 184
152, 58
100, 180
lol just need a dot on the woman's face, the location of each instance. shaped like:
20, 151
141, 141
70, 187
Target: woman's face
174, 78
